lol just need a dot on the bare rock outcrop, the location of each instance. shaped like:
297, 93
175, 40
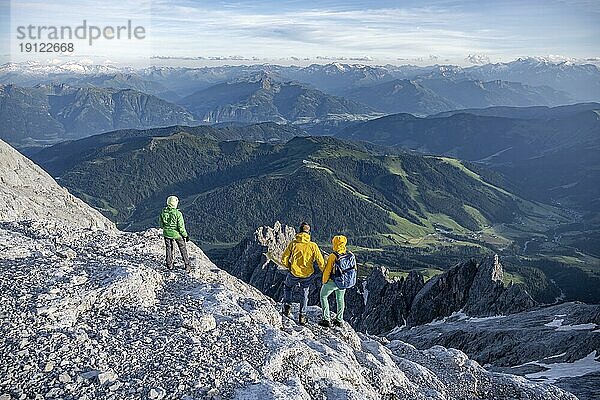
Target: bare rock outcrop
28, 192
255, 260
488, 296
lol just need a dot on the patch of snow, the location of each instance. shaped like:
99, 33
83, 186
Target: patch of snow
437, 322
558, 324
581, 367
455, 316
483, 319
555, 356
458, 316
398, 328
577, 327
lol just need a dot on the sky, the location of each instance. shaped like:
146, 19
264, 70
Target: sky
306, 31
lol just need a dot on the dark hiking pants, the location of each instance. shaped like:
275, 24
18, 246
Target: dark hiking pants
182, 250
288, 286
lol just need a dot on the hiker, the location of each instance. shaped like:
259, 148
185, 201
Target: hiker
298, 258
171, 222
339, 274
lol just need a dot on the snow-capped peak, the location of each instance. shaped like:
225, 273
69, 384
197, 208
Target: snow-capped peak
58, 67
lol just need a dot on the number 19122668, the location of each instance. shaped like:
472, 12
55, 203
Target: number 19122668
48, 47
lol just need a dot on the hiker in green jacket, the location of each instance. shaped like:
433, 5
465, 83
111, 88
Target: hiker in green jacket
171, 222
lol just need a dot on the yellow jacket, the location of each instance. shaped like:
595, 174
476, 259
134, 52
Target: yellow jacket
300, 255
339, 246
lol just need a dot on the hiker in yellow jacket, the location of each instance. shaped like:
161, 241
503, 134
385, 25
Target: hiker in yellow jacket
329, 286
299, 258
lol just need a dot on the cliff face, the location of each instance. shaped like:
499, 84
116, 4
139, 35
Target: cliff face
253, 260
488, 296
379, 304
475, 288
28, 192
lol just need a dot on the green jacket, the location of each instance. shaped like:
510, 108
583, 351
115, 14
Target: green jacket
171, 222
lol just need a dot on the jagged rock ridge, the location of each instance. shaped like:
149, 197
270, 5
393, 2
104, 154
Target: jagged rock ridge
379, 304
475, 288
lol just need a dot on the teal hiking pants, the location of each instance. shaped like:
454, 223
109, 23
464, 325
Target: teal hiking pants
326, 291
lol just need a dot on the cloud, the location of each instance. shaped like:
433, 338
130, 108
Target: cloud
384, 32
430, 31
343, 58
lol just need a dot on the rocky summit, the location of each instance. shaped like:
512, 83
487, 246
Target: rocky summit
88, 312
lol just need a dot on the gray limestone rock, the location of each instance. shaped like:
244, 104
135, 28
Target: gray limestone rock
488, 296
256, 259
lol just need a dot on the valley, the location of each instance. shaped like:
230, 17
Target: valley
103, 297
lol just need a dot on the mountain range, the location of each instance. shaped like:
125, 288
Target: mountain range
519, 181
415, 207
48, 114
551, 154
402, 95
404, 209
264, 99
580, 80
89, 99
431, 96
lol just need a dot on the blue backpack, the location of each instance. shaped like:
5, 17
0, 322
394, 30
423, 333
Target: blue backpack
344, 270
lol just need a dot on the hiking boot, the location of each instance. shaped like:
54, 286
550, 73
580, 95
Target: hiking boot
287, 310
325, 323
337, 323
302, 320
